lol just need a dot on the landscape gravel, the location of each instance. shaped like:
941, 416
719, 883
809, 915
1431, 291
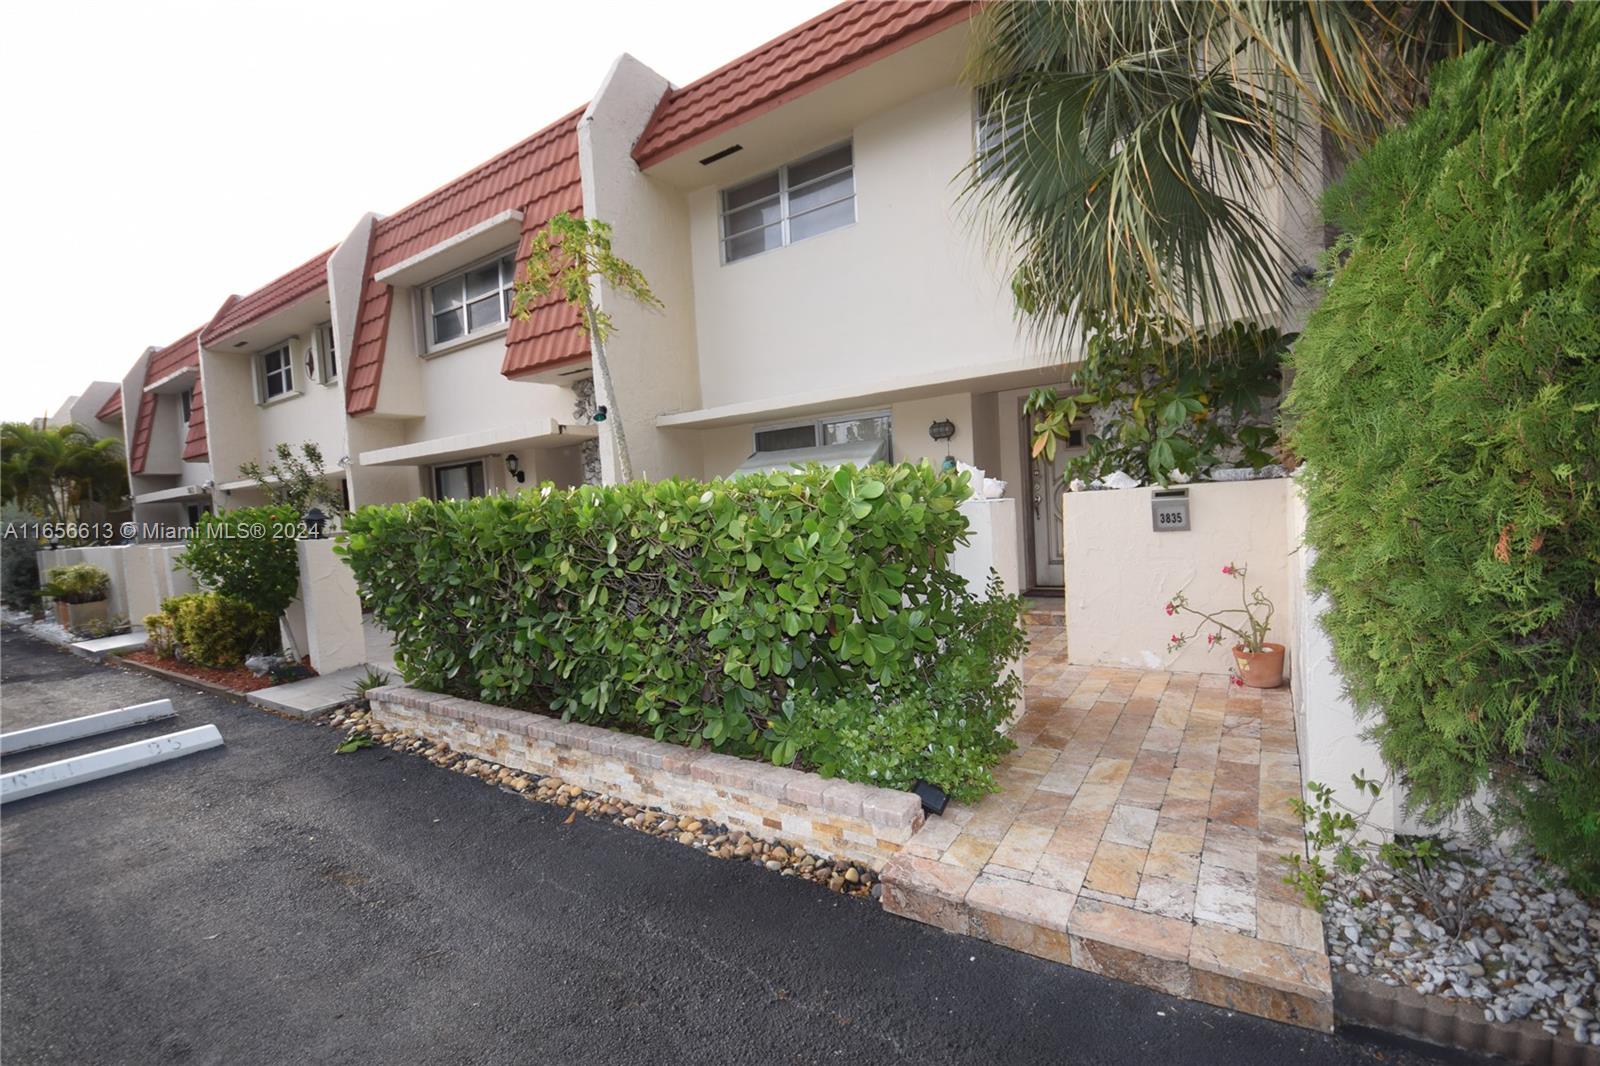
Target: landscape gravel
717, 841
1487, 924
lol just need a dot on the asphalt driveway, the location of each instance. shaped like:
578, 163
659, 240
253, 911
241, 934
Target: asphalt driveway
272, 902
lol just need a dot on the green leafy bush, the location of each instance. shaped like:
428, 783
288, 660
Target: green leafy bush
1447, 405
248, 554
694, 611
210, 629
941, 725
77, 583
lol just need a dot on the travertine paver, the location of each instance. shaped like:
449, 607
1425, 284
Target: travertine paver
1139, 831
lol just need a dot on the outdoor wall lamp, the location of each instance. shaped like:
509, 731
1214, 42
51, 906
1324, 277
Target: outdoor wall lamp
315, 520
514, 468
944, 429
600, 413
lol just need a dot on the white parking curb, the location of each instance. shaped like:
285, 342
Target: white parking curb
111, 761
88, 725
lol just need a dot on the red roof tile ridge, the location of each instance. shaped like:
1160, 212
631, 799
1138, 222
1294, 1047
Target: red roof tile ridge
488, 166
240, 311
803, 58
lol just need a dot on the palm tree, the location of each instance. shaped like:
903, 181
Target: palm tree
1125, 144
60, 472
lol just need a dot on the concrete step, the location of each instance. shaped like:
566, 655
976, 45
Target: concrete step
1040, 616
1192, 960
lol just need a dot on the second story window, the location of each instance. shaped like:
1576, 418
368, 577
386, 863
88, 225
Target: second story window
186, 404
277, 373
476, 300
328, 354
805, 198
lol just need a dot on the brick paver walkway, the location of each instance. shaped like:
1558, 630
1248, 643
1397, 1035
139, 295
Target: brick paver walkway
1140, 832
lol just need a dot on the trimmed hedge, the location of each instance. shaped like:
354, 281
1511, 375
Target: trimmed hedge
1446, 402
720, 614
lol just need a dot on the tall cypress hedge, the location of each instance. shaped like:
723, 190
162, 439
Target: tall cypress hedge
1446, 403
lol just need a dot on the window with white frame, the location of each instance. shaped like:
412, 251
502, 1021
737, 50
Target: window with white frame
327, 353
835, 429
994, 133
474, 301
810, 196
277, 373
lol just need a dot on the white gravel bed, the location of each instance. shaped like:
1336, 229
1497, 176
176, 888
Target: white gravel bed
1527, 946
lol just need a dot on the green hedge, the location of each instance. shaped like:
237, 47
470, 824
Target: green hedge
1446, 402
723, 613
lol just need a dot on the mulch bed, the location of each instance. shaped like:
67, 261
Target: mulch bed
236, 679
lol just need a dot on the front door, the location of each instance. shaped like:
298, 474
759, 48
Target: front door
1046, 532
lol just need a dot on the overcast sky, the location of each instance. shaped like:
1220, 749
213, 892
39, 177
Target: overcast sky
161, 155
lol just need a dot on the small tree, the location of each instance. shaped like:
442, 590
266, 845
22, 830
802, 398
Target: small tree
298, 481
244, 555
566, 257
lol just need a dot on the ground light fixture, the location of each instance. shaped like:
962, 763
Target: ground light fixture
514, 468
315, 521
932, 796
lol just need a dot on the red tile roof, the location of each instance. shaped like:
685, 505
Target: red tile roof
181, 353
112, 408
540, 178
835, 43
280, 292
195, 444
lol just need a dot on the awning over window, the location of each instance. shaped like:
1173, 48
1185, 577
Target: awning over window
859, 452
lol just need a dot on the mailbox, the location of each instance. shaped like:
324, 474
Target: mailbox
1169, 510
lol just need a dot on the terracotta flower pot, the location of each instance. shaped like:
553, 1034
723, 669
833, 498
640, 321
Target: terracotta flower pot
1263, 669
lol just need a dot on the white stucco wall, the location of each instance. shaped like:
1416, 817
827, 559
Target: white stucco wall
906, 288
650, 353
1121, 573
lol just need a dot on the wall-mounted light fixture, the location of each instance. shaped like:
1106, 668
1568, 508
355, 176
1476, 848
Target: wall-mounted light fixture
944, 430
514, 468
600, 413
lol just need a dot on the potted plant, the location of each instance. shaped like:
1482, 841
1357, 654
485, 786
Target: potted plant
80, 592
1257, 662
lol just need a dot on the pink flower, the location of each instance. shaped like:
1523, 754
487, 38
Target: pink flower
1211, 638
1228, 569
1171, 609
1239, 681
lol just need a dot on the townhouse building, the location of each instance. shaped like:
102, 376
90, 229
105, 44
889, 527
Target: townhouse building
800, 214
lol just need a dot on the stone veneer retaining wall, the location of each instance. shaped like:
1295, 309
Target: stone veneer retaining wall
837, 819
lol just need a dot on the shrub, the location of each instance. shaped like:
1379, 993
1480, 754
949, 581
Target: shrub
77, 583
248, 554
19, 574
941, 725
687, 610
210, 629
1445, 403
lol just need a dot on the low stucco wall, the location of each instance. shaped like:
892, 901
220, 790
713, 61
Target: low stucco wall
991, 544
330, 615
1121, 572
837, 819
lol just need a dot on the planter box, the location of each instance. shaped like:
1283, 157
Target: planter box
74, 615
838, 819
